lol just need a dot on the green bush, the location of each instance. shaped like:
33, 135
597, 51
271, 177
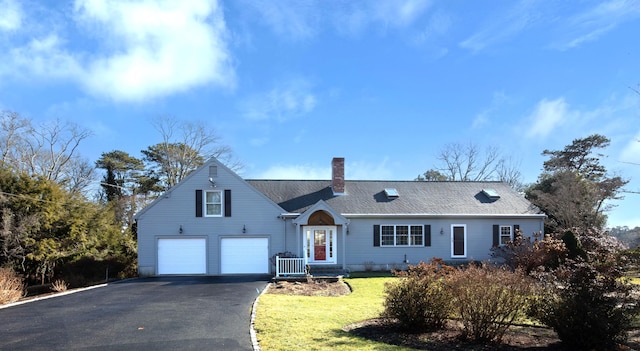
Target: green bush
587, 308
419, 300
488, 299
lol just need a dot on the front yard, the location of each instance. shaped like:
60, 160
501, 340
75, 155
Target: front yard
348, 322
288, 322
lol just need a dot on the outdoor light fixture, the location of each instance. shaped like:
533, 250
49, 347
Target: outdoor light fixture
213, 183
180, 230
441, 231
244, 229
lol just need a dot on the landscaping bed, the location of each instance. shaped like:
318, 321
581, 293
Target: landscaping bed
335, 287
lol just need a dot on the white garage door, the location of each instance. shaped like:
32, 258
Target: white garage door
244, 255
182, 256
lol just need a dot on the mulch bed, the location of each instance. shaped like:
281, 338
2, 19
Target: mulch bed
313, 288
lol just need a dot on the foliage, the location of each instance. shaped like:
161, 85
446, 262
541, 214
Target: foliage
573, 245
488, 299
44, 226
122, 174
586, 300
11, 286
575, 187
630, 237
419, 300
530, 253
588, 308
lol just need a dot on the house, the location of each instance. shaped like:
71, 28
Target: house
214, 222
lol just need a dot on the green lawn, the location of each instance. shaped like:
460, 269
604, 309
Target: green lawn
285, 322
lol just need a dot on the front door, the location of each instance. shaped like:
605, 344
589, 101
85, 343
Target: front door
459, 240
320, 244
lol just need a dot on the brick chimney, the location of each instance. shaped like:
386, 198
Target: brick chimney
337, 175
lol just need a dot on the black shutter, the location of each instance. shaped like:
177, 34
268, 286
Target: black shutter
376, 235
496, 235
427, 235
516, 227
227, 203
198, 203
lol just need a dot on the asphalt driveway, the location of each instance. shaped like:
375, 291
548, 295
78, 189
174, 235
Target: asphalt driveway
167, 313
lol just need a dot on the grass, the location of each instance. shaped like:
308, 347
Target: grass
285, 322
634, 280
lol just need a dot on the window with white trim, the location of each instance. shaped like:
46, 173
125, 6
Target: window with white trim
505, 234
401, 235
213, 203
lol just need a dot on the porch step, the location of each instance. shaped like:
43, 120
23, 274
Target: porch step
327, 271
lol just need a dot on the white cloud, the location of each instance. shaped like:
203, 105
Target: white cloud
503, 26
399, 13
483, 118
548, 115
439, 24
45, 56
10, 15
631, 152
164, 47
142, 49
303, 19
294, 19
595, 22
283, 102
611, 118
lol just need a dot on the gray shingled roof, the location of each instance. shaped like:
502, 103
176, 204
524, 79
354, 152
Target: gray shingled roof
424, 198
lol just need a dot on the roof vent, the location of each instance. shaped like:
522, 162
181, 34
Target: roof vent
491, 194
391, 193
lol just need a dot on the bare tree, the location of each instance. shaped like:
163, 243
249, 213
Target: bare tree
185, 146
49, 150
13, 130
467, 163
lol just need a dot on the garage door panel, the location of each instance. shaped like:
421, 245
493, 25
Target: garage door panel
182, 256
244, 255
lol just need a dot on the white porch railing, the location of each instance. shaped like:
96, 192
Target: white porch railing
290, 266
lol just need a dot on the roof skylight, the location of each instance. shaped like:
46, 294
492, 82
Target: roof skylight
491, 193
391, 192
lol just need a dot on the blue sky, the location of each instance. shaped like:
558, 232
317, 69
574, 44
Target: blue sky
290, 84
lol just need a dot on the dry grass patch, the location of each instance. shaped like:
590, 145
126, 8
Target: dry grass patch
11, 286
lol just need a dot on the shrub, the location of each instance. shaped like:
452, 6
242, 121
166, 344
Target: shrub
589, 309
59, 286
531, 253
488, 299
11, 286
419, 300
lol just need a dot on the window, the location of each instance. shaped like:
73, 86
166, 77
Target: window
401, 235
387, 235
505, 234
213, 203
416, 235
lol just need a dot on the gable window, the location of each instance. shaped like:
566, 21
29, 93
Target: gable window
505, 234
213, 203
401, 235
